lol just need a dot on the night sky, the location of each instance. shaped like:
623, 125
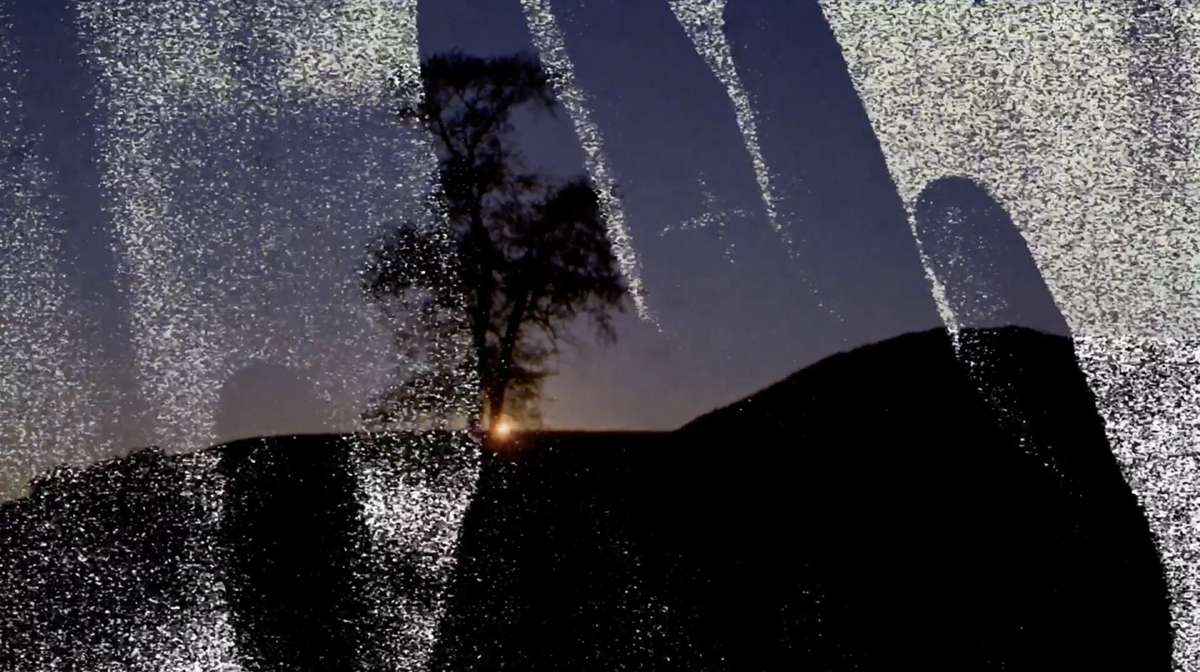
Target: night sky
737, 311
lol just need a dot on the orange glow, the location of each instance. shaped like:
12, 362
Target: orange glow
503, 429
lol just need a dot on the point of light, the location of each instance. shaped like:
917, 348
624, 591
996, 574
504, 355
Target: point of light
503, 429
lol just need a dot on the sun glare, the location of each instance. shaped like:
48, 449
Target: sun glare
503, 429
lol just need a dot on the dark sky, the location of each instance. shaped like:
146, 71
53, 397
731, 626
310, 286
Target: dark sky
730, 329
727, 329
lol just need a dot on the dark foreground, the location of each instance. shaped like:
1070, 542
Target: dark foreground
867, 513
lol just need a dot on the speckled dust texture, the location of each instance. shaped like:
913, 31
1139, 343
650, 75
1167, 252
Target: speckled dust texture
38, 339
548, 40
241, 193
414, 498
117, 570
249, 152
712, 218
1080, 119
704, 23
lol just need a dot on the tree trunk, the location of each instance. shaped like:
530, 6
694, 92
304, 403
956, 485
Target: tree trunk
504, 364
482, 310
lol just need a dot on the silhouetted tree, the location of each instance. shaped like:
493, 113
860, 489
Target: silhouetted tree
524, 256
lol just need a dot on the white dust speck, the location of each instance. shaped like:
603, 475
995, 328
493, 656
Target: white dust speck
714, 218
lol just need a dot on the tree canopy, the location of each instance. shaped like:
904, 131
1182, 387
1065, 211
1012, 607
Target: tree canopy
522, 257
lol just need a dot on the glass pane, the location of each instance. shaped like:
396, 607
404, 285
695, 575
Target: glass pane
574, 334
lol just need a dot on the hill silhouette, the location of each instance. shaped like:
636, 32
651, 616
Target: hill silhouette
869, 512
